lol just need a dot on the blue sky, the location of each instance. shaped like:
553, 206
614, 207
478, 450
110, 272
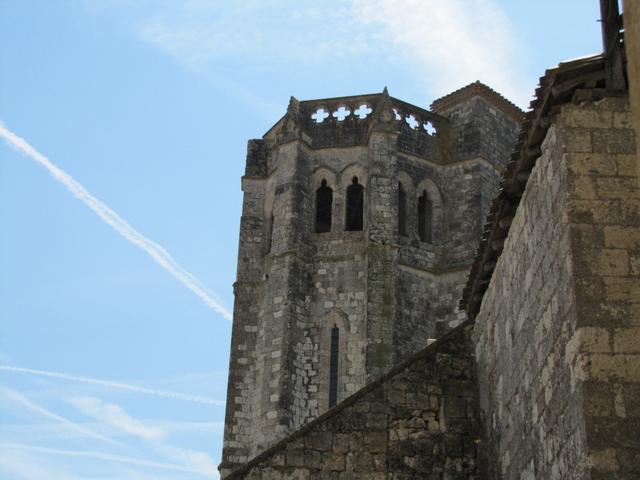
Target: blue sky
110, 367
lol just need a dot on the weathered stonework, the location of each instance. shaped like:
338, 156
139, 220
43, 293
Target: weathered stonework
632, 45
543, 380
387, 293
419, 421
557, 335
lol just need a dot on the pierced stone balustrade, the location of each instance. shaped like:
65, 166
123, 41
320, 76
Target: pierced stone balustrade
345, 121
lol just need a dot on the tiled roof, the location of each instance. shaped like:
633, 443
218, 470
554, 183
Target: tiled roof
478, 88
581, 78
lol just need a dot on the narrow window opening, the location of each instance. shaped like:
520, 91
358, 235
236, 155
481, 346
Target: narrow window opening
402, 210
269, 234
333, 366
355, 203
425, 218
324, 200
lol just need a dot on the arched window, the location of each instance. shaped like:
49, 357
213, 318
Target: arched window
269, 234
355, 204
333, 366
425, 218
402, 210
324, 200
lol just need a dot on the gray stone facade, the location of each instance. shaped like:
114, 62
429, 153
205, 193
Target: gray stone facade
419, 421
386, 292
558, 332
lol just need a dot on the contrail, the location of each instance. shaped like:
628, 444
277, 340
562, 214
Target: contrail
155, 251
17, 397
107, 457
118, 385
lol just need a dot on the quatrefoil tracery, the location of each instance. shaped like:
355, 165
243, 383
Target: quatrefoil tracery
341, 113
364, 110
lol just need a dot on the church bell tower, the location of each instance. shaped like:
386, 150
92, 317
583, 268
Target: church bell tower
359, 224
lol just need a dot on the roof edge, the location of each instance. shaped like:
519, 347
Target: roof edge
581, 79
478, 88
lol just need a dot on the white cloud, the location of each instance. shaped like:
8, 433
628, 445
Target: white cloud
218, 39
447, 44
115, 416
107, 458
190, 428
116, 385
19, 399
196, 461
453, 43
28, 466
109, 416
266, 31
46, 432
155, 251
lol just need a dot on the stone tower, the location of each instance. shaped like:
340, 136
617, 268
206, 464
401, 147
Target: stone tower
360, 220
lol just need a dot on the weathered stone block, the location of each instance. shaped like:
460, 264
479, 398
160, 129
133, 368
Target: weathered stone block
455, 407
615, 141
312, 459
295, 457
335, 462
626, 165
375, 442
616, 367
604, 460
622, 237
622, 288
320, 441
591, 164
626, 340
592, 339
340, 443
578, 141
584, 119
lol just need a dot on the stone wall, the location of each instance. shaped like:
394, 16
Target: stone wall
604, 218
419, 421
558, 336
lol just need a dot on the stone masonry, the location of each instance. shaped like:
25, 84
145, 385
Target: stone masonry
558, 333
542, 381
385, 292
419, 421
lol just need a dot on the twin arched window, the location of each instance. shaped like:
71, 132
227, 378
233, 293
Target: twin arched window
354, 207
425, 215
355, 210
